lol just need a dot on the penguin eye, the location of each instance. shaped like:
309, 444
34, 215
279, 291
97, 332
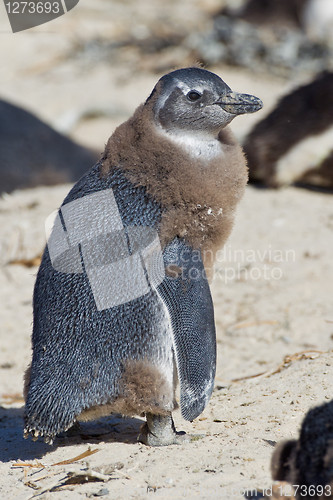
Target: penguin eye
193, 95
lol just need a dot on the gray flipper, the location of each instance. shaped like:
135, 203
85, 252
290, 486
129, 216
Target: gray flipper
188, 300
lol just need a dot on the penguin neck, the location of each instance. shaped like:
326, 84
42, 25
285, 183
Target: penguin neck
198, 144
197, 195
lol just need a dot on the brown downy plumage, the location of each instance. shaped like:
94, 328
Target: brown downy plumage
198, 196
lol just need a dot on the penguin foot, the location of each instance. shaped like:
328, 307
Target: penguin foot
159, 430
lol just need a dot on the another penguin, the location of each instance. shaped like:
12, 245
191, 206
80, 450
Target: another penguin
122, 305
308, 461
34, 154
293, 144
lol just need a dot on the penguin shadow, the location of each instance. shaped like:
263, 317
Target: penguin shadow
316, 189
111, 429
13, 446
260, 186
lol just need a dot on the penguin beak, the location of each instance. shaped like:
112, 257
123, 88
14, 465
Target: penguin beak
238, 104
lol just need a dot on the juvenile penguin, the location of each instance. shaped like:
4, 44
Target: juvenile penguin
122, 306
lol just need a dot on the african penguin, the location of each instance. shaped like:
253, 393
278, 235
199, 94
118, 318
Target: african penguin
122, 306
294, 143
32, 153
308, 461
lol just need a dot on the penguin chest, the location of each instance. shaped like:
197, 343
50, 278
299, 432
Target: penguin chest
197, 146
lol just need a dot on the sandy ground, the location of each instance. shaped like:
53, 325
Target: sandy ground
272, 295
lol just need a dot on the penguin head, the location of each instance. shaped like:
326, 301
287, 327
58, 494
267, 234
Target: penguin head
196, 100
